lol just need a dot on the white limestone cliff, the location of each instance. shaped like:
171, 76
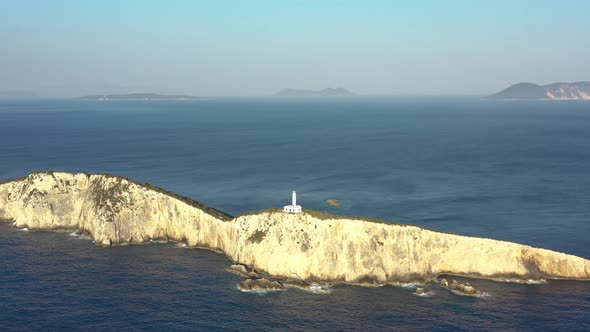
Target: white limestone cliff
114, 210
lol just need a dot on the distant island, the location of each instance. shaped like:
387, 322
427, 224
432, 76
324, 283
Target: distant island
555, 91
329, 92
139, 96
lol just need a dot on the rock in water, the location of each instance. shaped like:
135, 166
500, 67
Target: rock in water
239, 269
462, 288
295, 281
114, 210
333, 202
261, 284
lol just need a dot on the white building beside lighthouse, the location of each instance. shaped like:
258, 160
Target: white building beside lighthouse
293, 208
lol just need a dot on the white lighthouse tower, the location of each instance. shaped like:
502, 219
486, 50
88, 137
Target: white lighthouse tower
293, 208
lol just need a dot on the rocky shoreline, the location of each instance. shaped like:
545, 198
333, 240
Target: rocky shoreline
276, 250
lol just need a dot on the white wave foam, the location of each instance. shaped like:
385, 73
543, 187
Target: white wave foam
24, 229
410, 285
426, 294
259, 291
527, 281
78, 235
478, 294
483, 294
180, 245
320, 289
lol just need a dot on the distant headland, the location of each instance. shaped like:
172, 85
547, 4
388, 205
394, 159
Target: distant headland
328, 92
554, 91
139, 96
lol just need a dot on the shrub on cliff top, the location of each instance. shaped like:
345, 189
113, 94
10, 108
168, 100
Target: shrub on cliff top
327, 216
251, 213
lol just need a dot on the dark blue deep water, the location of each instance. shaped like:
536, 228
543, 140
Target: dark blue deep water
516, 171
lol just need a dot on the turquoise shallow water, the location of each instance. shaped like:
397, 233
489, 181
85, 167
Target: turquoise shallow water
514, 171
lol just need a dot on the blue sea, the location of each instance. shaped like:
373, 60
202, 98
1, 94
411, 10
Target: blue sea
515, 171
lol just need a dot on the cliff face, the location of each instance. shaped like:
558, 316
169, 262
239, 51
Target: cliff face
114, 210
360, 251
110, 209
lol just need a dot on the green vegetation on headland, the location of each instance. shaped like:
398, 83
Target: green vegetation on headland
322, 215
257, 236
327, 216
139, 96
207, 209
109, 194
255, 212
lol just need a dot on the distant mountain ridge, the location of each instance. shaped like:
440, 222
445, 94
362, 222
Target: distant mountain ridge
555, 91
139, 96
328, 92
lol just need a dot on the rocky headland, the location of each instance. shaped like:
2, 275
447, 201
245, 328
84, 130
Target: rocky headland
554, 91
299, 248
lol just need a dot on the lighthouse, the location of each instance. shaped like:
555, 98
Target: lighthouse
293, 208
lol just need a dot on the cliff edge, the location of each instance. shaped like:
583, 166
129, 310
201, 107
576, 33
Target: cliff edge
113, 210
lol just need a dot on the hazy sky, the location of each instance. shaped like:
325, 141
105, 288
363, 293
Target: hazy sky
253, 47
